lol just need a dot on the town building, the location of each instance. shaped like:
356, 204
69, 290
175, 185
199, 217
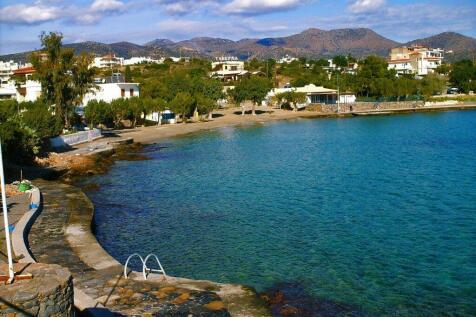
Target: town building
23, 90
142, 60
229, 70
315, 95
417, 60
108, 61
286, 59
351, 68
111, 88
7, 68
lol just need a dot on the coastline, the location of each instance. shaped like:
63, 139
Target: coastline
232, 118
97, 156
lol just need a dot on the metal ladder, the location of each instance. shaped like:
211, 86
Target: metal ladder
146, 270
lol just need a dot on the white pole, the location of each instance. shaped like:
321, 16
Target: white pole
11, 273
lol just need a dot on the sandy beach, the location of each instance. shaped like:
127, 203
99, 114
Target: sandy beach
221, 118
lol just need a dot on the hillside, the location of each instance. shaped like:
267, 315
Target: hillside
311, 43
462, 46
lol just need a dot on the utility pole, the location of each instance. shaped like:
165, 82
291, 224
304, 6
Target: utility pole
11, 273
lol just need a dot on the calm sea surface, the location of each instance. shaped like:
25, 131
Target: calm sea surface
376, 212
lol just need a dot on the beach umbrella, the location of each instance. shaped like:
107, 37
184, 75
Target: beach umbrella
11, 273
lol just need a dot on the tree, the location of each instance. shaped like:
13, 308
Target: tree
404, 87
463, 75
209, 91
128, 74
295, 98
205, 105
119, 109
64, 78
253, 89
443, 69
98, 112
432, 84
183, 104
83, 77
340, 61
292, 98
136, 108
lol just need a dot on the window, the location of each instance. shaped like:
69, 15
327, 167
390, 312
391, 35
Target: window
123, 93
131, 92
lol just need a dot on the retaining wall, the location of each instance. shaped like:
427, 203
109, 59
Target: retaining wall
48, 294
367, 106
64, 141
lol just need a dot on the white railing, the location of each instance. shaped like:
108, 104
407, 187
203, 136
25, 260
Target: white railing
145, 270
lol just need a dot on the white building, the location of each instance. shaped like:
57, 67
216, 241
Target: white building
29, 91
7, 69
112, 88
140, 60
228, 70
8, 91
109, 60
315, 94
163, 117
416, 60
286, 59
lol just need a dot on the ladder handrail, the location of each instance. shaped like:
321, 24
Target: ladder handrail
146, 269
127, 262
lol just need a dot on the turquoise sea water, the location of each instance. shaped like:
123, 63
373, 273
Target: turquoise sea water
376, 212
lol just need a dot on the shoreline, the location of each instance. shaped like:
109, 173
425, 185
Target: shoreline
97, 156
230, 118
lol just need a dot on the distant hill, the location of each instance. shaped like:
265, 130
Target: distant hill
311, 43
462, 46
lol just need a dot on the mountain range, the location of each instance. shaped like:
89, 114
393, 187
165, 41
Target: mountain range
311, 43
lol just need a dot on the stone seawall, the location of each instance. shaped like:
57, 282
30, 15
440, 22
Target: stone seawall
49, 293
367, 106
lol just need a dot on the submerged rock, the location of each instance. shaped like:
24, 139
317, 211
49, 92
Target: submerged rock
292, 300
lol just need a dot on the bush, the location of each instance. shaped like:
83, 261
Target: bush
40, 119
25, 128
19, 142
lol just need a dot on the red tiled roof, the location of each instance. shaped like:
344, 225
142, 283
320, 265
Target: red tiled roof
24, 71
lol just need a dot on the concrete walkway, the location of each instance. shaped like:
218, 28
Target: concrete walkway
17, 206
65, 210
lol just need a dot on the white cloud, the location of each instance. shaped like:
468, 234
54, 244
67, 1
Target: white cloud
182, 7
97, 10
41, 11
255, 7
107, 5
362, 6
29, 14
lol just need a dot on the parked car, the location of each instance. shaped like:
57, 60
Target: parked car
452, 91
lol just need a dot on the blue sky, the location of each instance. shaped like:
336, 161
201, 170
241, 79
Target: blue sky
108, 21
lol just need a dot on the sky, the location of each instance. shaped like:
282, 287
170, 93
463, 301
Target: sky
140, 21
